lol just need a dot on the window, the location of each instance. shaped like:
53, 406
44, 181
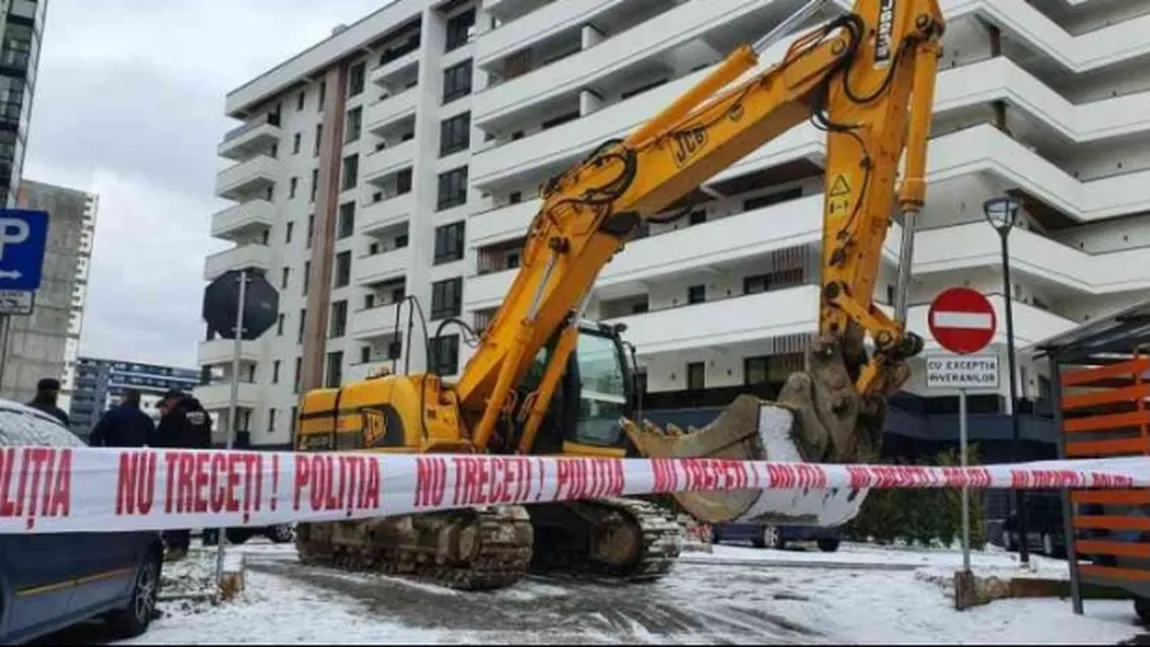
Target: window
350, 172
271, 420
284, 278
338, 319
314, 184
298, 370
457, 81
696, 376
346, 220
292, 186
452, 188
355, 78
455, 134
302, 319
354, 124
276, 372
697, 294
403, 182
773, 281
318, 139
449, 242
444, 359
446, 298
310, 229
334, 374
280, 325
697, 217
560, 120
295, 143
294, 415
764, 369
515, 197
306, 277
342, 269
299, 101
772, 198
321, 97
459, 29
288, 232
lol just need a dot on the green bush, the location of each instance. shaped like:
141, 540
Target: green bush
923, 517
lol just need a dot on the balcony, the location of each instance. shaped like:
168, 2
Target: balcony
374, 322
219, 351
381, 267
642, 46
388, 161
723, 322
546, 22
501, 223
244, 141
385, 112
243, 220
385, 213
218, 395
255, 174
237, 258
385, 74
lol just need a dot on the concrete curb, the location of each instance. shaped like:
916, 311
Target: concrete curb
842, 566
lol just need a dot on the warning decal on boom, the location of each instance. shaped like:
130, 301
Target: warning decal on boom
840, 186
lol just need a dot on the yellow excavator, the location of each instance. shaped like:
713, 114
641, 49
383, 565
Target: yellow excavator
543, 381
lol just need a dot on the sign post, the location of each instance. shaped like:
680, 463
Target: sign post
23, 240
239, 305
962, 321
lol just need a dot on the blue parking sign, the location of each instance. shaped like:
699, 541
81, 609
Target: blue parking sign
23, 239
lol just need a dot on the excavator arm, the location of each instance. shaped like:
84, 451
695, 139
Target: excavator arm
866, 79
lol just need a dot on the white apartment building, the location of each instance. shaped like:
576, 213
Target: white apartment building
402, 155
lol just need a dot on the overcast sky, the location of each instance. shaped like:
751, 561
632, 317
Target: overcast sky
129, 105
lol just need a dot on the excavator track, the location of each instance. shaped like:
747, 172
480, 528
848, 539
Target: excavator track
610, 540
476, 549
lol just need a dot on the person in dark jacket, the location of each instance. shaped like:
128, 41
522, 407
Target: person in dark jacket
124, 425
183, 424
47, 390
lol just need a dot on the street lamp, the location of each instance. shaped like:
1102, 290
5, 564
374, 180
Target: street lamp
1002, 213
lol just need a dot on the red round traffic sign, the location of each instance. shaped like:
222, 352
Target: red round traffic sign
961, 320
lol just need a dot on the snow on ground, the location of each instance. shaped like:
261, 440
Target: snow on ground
735, 595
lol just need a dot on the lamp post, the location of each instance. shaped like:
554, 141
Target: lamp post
1002, 214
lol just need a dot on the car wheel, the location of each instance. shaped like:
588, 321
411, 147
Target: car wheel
1047, 545
772, 537
133, 620
828, 545
1142, 608
281, 533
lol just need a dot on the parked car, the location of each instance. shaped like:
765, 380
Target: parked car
280, 533
777, 537
50, 581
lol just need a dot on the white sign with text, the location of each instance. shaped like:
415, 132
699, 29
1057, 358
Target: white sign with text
962, 372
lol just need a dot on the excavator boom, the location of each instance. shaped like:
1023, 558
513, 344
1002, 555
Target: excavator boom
866, 79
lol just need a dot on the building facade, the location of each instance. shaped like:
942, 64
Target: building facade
46, 343
22, 26
402, 155
100, 382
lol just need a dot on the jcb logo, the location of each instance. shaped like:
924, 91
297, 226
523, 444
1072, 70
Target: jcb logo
687, 143
374, 427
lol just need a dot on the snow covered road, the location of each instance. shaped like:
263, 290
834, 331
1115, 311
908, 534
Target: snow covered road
747, 597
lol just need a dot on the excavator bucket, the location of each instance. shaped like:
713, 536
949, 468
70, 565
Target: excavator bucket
817, 418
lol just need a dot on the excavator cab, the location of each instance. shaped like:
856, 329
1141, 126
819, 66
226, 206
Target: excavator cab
597, 390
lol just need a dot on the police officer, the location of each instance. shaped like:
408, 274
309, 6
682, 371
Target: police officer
183, 424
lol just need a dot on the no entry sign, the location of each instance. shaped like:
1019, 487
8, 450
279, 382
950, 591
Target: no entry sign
961, 320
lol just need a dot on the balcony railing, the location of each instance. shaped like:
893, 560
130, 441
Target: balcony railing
270, 118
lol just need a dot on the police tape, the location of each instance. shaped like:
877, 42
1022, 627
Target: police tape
51, 489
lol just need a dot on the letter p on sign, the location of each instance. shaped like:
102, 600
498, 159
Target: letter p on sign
962, 320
